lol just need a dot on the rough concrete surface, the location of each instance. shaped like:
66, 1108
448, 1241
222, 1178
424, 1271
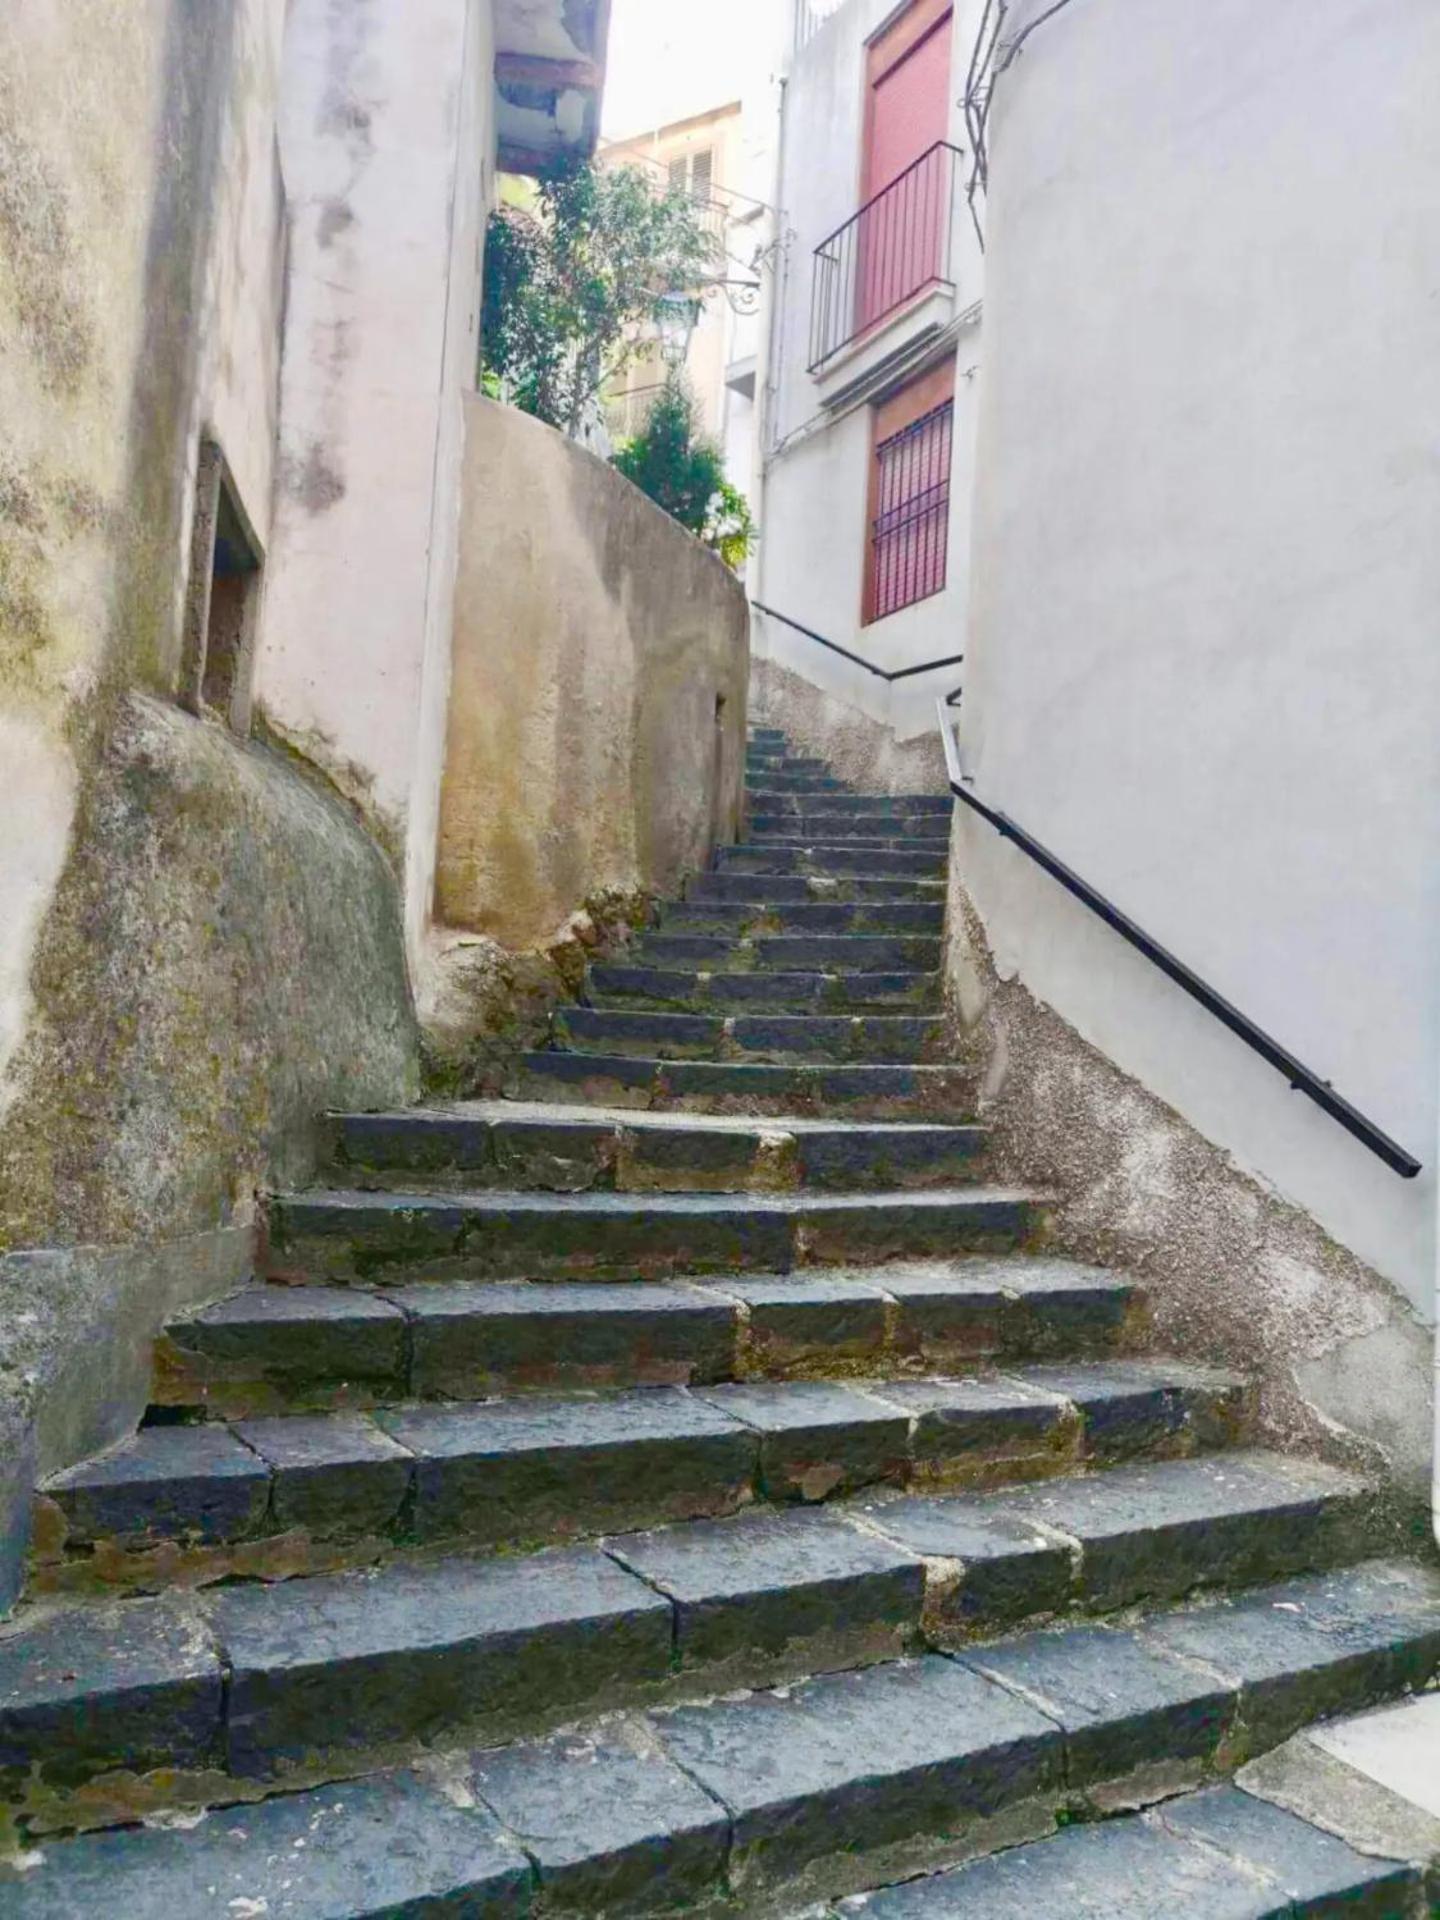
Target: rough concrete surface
861, 750
1235, 1274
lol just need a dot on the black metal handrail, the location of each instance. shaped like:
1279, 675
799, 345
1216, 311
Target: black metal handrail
1301, 1079
890, 674
891, 247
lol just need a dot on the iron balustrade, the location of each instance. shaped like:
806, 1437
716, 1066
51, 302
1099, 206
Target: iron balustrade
894, 247
809, 17
1301, 1079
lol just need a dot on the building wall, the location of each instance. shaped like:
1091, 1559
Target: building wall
816, 458
597, 718
199, 948
388, 141
1202, 661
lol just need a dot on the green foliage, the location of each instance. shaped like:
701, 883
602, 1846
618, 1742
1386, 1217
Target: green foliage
684, 473
569, 288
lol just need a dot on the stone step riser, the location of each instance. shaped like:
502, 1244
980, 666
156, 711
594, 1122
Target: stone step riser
844, 1780
772, 781
433, 1151
344, 1237
866, 806
880, 836
300, 1494
273, 1350
896, 1039
663, 990
777, 890
826, 858
726, 1087
840, 953
739, 920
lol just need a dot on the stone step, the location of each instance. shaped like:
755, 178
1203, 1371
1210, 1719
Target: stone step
886, 1038
344, 1236
501, 1143
804, 1791
794, 953
797, 889
882, 832
875, 861
870, 806
659, 988
283, 1494
767, 779
741, 918
736, 1086
272, 1349
1200, 1856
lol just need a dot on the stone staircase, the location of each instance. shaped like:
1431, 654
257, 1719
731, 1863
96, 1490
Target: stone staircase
688, 1486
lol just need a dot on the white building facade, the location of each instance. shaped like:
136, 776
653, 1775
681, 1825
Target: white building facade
872, 348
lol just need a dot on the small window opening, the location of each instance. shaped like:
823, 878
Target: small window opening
224, 597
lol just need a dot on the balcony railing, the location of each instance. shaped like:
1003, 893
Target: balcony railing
809, 17
894, 247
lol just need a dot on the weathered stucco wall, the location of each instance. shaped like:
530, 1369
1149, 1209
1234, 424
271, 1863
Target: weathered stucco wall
597, 708
388, 140
859, 747
1237, 1274
198, 949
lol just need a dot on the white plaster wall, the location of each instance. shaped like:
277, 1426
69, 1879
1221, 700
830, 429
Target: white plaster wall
1203, 662
388, 149
816, 478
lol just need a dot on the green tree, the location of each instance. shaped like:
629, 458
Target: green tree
569, 288
684, 473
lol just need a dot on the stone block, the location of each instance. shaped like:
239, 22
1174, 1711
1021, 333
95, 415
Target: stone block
809, 1322
87, 1690
1123, 1705
1119, 1867
995, 1571
855, 1776
533, 1469
763, 1595
894, 1156
1055, 1308
193, 1484
469, 1339
388, 1847
612, 1825
273, 1348
362, 1660
974, 1429
1154, 1532
336, 1475
1314, 1870
948, 1315
817, 1438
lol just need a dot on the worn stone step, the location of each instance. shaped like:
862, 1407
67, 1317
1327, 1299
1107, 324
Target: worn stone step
880, 833
796, 889
821, 1789
794, 952
878, 806
768, 780
1217, 1854
357, 1660
895, 1038
738, 1086
661, 988
503, 1143
821, 858
751, 919
349, 1235
272, 1349
530, 1470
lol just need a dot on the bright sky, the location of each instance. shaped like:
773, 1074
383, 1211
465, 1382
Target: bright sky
671, 58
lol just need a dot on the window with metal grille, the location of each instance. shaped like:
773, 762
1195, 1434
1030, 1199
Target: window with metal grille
910, 531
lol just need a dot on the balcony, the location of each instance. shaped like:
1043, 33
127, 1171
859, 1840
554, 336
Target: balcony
896, 248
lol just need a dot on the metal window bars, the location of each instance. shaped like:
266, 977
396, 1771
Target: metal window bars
896, 245
909, 537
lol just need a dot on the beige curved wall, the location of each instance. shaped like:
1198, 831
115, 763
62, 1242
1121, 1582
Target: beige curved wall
597, 708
